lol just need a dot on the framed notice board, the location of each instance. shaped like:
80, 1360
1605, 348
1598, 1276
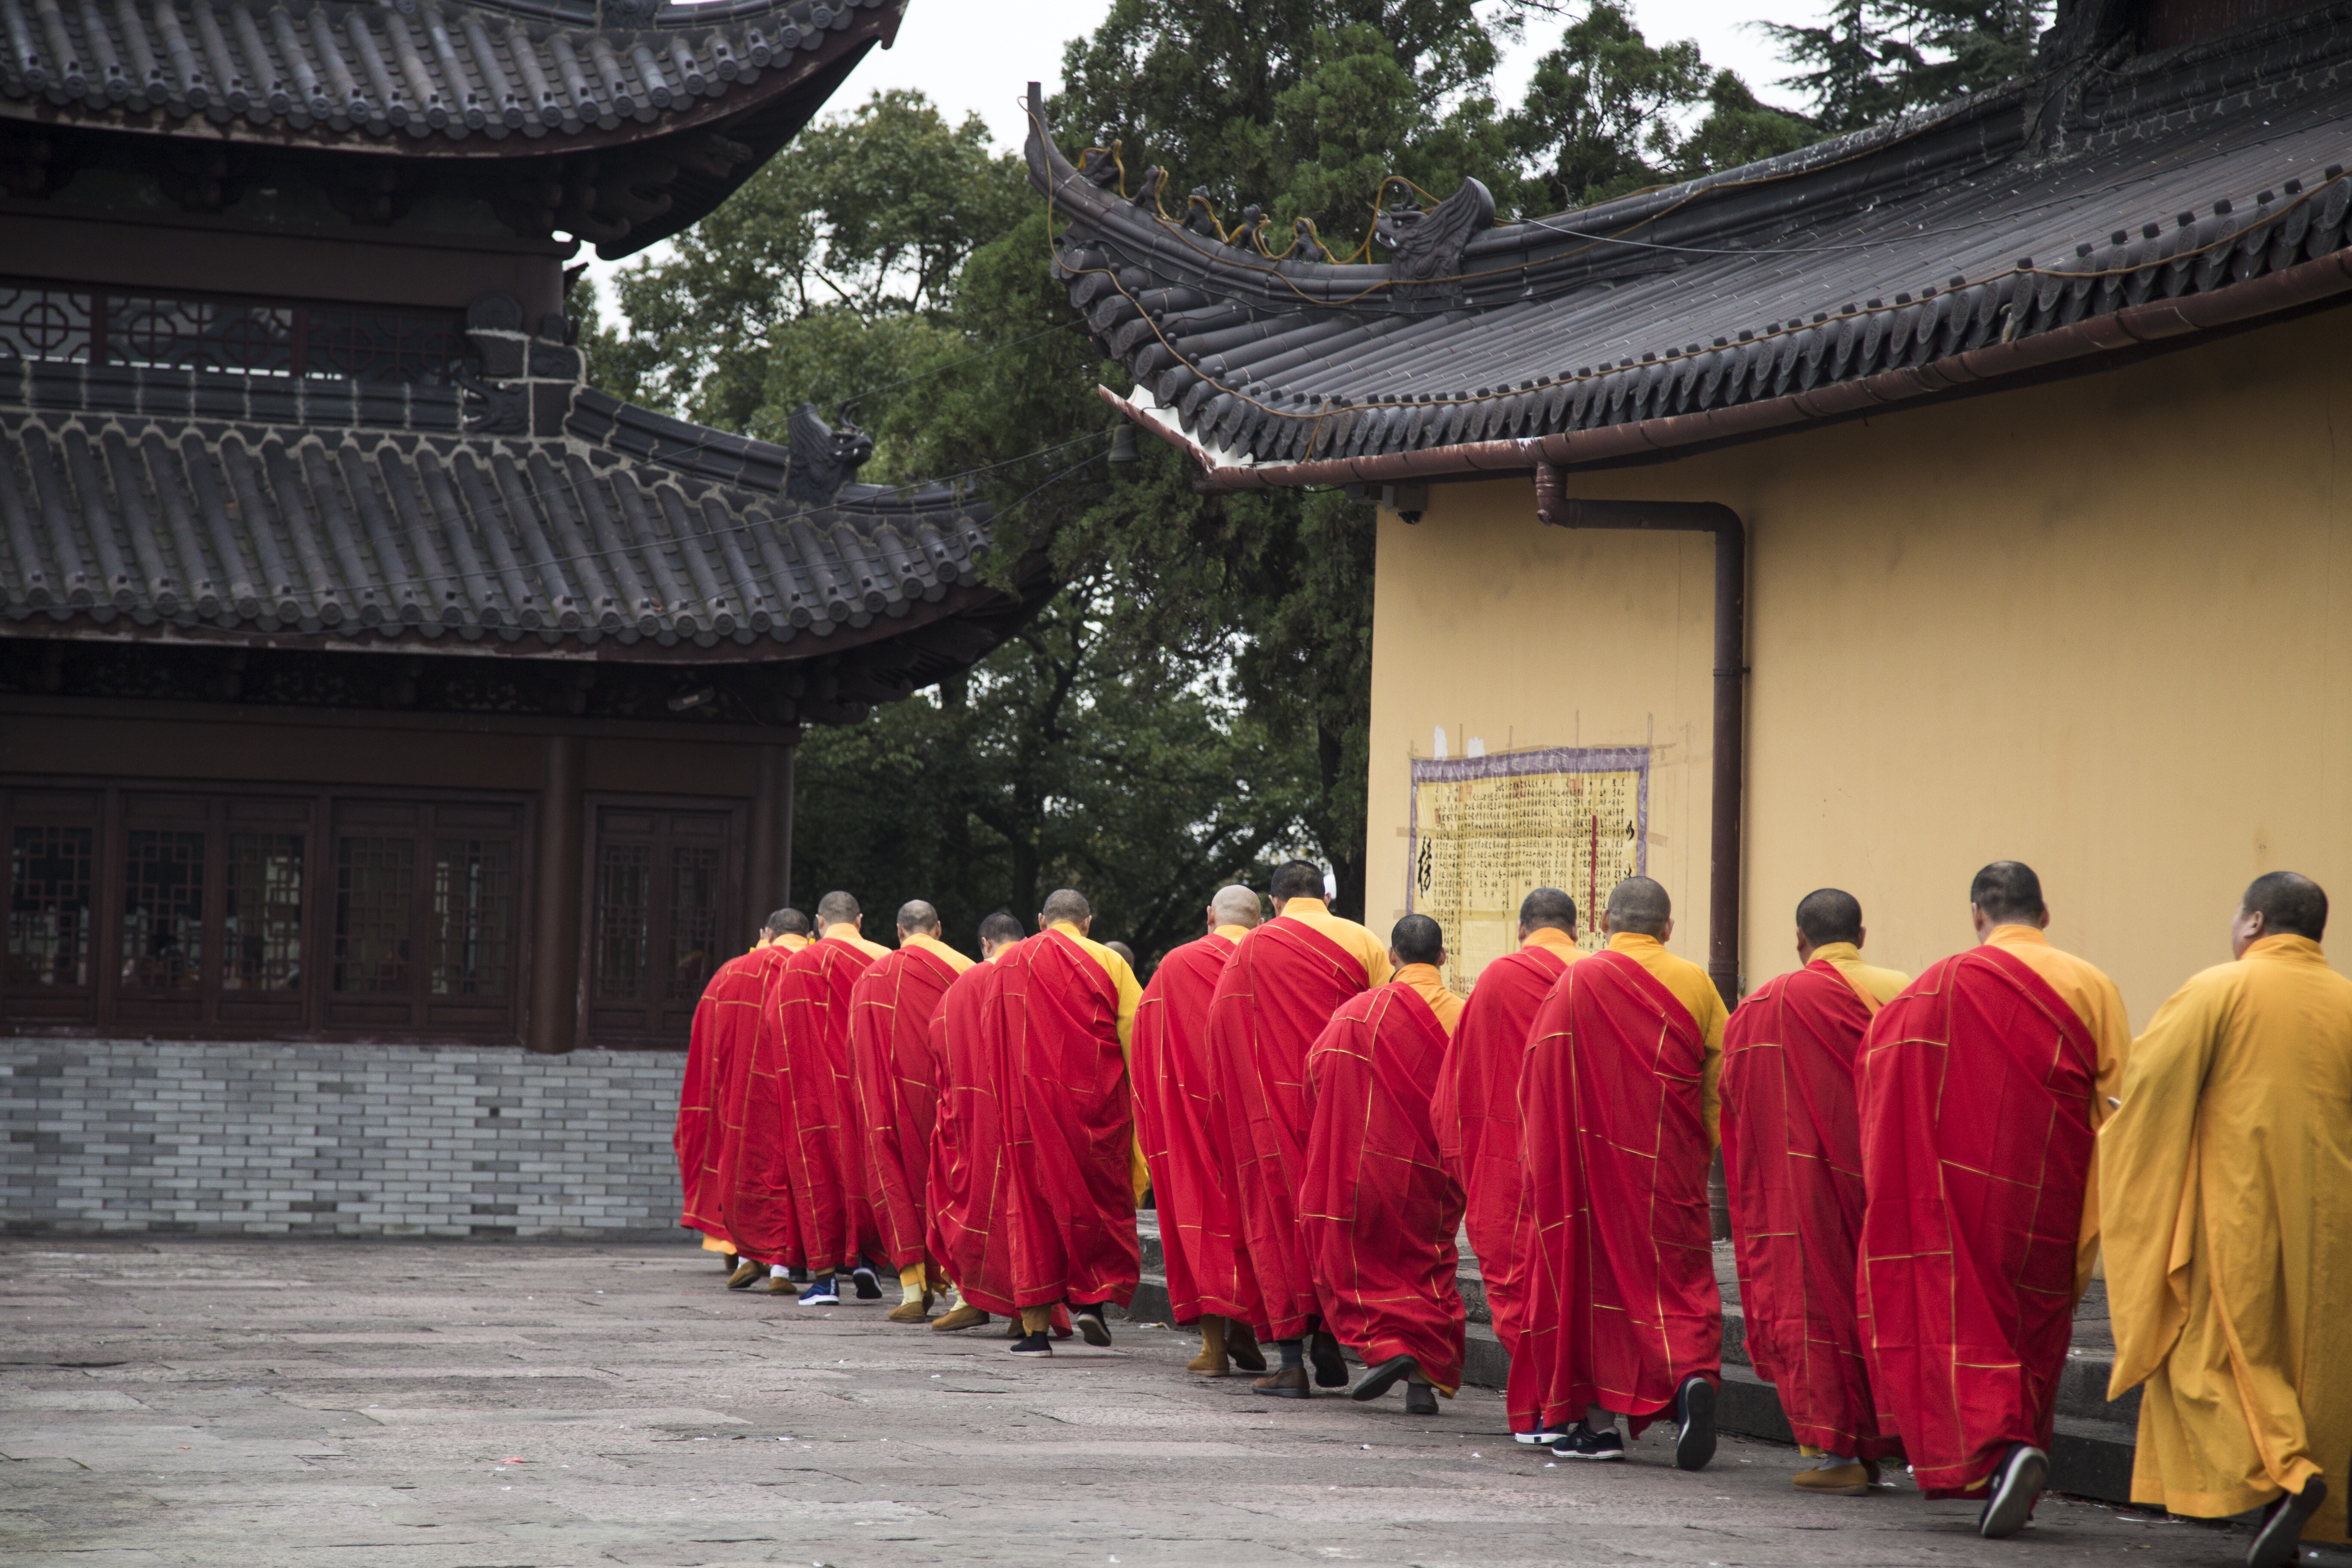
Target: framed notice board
1487, 831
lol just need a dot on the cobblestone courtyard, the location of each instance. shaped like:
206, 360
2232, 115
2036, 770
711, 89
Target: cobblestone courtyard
456, 1404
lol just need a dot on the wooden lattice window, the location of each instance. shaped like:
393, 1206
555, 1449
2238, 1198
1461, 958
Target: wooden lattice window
426, 919
665, 887
53, 838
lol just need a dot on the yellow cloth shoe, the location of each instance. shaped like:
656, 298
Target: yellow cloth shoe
779, 1284
745, 1273
1839, 1480
962, 1315
913, 1310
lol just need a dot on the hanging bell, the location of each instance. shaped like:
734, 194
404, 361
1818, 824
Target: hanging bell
1122, 443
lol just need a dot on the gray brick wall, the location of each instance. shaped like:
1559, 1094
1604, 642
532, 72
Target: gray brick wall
106, 1136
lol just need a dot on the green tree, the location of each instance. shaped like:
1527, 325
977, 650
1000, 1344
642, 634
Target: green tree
1870, 60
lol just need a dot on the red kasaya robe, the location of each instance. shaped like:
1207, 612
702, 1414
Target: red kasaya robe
1975, 1093
824, 1156
1621, 1300
754, 1190
1379, 1207
1049, 1012
1281, 987
895, 1082
967, 1184
1183, 1141
1476, 1113
1793, 1161
724, 1020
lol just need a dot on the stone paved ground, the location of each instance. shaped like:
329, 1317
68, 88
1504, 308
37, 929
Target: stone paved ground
470, 1405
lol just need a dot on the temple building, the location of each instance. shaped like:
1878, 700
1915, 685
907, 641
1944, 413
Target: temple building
369, 683
1960, 488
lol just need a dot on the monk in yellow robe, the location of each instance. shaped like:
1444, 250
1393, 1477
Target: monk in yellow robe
2230, 1271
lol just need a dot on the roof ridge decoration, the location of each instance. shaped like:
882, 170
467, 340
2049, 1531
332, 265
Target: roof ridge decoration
424, 71
2165, 196
521, 512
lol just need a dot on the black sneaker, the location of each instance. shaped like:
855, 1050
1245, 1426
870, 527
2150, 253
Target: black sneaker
1583, 1443
1420, 1399
2009, 1500
1543, 1439
821, 1293
1330, 1367
869, 1288
1695, 1421
2275, 1542
1090, 1324
1032, 1344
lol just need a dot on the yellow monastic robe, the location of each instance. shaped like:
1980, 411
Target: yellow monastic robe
1885, 984
2230, 1271
1367, 948
1130, 994
1430, 986
1695, 992
2100, 1006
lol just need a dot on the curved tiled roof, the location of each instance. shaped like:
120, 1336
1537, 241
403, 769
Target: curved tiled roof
421, 69
2079, 213
211, 505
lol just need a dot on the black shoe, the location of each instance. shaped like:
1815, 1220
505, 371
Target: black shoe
821, 1292
1538, 1439
1420, 1399
1038, 1344
2274, 1543
869, 1288
1383, 1377
1694, 1417
1330, 1367
1090, 1324
1583, 1443
2009, 1500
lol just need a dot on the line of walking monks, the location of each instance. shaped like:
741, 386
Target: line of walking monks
1915, 1170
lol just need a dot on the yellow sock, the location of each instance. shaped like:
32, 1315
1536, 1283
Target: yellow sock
910, 1282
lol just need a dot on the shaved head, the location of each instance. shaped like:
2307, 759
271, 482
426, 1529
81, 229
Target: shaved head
1066, 904
788, 922
1640, 906
1000, 927
1416, 938
1237, 906
1296, 879
1548, 907
2009, 893
915, 915
837, 909
2289, 903
1124, 951
1829, 914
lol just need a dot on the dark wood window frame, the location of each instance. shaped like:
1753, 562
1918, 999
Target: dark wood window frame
661, 1014
442, 1001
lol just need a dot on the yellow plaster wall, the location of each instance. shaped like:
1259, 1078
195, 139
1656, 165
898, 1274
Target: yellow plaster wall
2098, 626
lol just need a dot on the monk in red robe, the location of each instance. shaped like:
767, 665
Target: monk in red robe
1617, 1108
1380, 1208
743, 1162
1184, 1142
894, 1080
1057, 1013
966, 1186
728, 1014
1982, 1089
1792, 1161
1284, 981
1477, 1106
823, 1156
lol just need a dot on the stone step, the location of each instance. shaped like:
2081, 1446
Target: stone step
2090, 1455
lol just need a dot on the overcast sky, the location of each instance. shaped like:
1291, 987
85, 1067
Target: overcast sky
970, 56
